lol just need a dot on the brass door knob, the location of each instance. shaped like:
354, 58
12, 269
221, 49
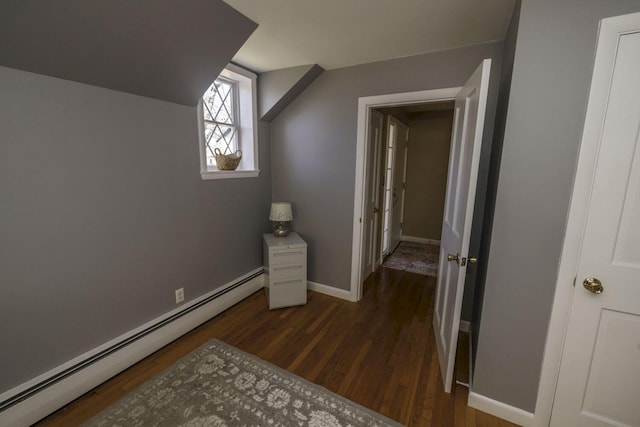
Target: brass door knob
593, 285
473, 260
451, 257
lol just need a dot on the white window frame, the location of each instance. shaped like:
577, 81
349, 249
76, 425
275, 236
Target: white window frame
247, 121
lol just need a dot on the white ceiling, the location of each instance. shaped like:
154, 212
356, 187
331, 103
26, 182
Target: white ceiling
341, 33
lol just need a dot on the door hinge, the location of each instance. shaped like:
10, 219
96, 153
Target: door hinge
404, 185
401, 225
574, 281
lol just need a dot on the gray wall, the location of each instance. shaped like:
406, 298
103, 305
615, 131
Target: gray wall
427, 166
549, 91
103, 214
314, 145
474, 291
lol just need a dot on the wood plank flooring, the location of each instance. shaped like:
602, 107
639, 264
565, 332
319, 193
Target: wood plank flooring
379, 352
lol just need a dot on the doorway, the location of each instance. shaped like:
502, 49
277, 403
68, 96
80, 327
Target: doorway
470, 107
412, 184
366, 106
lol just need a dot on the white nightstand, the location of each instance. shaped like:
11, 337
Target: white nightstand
285, 270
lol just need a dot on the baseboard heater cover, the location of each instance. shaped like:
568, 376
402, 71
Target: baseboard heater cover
51, 380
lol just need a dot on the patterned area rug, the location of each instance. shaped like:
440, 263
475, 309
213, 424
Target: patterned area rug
418, 258
219, 385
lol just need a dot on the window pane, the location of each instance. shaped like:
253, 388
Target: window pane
217, 102
219, 136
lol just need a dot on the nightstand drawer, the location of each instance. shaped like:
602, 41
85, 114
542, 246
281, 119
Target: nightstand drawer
288, 256
287, 272
286, 293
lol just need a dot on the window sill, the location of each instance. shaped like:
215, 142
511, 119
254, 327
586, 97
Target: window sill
229, 174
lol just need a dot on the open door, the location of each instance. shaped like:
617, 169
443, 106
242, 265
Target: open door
387, 200
464, 158
399, 177
371, 214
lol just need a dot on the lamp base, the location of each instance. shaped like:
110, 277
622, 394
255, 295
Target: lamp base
281, 229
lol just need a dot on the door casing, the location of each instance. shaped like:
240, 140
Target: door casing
365, 105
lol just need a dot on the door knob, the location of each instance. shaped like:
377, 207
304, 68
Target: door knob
473, 260
593, 285
451, 257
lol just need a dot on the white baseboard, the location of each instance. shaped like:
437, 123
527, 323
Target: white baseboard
330, 290
500, 410
464, 326
152, 336
420, 240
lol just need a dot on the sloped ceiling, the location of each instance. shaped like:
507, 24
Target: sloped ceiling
276, 89
166, 49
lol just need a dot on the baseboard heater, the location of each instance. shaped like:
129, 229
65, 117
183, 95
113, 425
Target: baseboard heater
29, 392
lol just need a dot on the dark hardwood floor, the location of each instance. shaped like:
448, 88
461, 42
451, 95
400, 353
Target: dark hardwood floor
379, 352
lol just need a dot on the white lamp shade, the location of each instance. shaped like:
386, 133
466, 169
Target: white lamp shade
280, 211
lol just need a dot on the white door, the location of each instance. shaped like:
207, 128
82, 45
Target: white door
371, 214
464, 157
599, 378
399, 178
387, 203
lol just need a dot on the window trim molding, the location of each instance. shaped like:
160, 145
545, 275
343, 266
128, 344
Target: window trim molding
247, 77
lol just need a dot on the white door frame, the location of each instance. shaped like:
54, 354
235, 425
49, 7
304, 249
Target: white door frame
365, 104
610, 29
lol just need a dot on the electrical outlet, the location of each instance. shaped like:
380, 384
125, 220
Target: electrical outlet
179, 295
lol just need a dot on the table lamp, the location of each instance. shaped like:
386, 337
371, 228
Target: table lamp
281, 217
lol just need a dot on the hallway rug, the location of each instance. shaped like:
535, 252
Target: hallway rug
219, 385
421, 258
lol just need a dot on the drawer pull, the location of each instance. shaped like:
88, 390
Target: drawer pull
287, 282
291, 267
278, 254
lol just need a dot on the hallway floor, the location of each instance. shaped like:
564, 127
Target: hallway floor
420, 258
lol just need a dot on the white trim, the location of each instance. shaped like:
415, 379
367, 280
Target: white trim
64, 391
365, 104
464, 326
229, 174
610, 30
500, 410
329, 290
415, 239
